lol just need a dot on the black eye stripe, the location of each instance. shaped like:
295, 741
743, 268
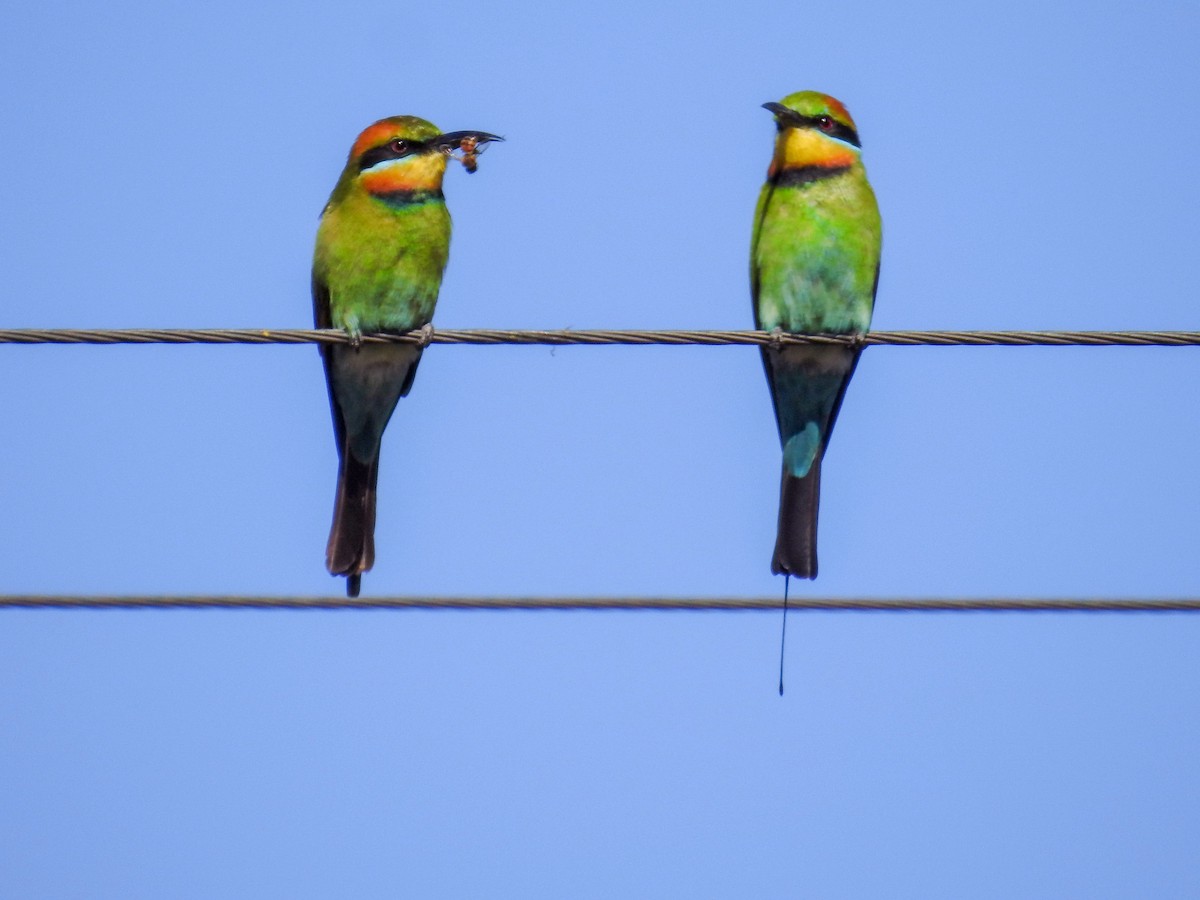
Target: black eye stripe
389, 150
839, 131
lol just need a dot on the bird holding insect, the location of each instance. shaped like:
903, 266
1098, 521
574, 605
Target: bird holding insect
382, 246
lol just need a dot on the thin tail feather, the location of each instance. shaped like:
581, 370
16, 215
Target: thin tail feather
808, 383
351, 547
796, 541
364, 385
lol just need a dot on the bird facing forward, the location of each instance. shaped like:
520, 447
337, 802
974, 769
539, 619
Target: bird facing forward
814, 267
382, 246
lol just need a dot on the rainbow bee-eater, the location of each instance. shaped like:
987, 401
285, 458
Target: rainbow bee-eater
814, 267
382, 246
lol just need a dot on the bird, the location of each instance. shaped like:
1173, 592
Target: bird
814, 269
381, 248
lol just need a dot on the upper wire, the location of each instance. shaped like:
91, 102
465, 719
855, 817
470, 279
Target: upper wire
628, 337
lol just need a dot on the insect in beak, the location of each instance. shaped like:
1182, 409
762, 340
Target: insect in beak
469, 144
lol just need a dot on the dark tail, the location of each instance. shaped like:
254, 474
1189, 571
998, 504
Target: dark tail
796, 543
351, 548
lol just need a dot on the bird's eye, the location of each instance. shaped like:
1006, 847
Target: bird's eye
825, 123
400, 147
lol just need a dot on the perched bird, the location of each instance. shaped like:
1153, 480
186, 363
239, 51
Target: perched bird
382, 246
814, 267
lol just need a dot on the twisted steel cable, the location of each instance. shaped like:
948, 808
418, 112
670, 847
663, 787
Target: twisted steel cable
627, 337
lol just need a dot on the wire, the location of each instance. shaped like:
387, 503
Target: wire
653, 604
429, 335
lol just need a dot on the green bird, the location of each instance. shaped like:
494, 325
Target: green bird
382, 246
814, 267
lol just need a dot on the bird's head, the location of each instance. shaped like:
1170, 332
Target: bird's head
405, 155
814, 129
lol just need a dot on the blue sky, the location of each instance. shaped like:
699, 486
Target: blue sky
164, 165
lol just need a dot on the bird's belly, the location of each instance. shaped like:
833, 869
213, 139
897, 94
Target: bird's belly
386, 308
817, 303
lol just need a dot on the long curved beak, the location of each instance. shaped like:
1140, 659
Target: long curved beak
454, 139
785, 115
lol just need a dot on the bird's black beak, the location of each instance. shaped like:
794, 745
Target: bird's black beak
784, 115
452, 140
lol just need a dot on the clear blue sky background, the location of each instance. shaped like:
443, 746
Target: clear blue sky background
164, 165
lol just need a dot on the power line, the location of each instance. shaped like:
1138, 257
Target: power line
627, 337
629, 604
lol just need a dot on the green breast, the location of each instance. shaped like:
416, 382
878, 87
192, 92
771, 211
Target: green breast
382, 263
815, 255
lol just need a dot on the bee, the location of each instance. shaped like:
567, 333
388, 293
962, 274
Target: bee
465, 146
470, 153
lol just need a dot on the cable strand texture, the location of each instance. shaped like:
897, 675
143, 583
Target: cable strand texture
627, 337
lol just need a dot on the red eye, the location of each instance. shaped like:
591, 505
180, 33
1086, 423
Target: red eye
400, 147
825, 123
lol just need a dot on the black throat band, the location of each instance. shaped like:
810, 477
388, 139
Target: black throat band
800, 175
400, 199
